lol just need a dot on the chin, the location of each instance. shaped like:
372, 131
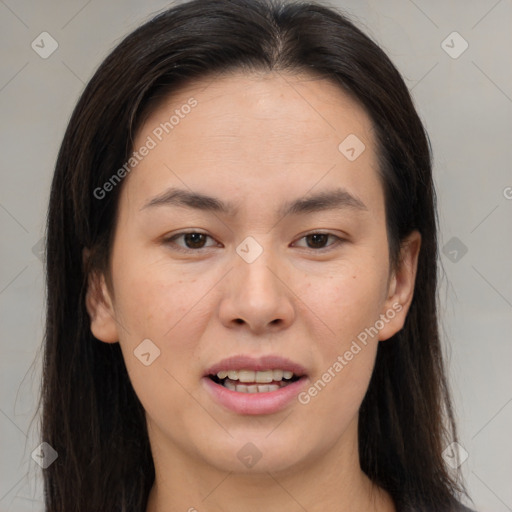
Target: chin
257, 454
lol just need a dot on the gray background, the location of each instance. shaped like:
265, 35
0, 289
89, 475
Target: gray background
466, 104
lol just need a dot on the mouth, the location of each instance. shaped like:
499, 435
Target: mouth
248, 385
251, 381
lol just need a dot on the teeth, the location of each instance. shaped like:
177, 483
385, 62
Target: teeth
246, 376
228, 384
242, 388
263, 377
278, 374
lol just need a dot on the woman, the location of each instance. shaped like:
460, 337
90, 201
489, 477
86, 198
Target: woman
206, 347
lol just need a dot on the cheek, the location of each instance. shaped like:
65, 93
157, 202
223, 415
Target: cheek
153, 297
171, 308
345, 361
164, 307
349, 300
349, 303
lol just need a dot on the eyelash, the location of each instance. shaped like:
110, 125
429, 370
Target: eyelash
171, 239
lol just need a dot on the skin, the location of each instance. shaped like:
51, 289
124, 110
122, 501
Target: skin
258, 140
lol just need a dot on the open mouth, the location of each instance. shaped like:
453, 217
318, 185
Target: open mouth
250, 381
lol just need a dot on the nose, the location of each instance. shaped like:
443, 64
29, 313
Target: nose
258, 295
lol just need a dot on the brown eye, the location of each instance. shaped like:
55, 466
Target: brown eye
318, 241
193, 240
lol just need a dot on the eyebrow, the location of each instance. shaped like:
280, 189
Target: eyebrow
337, 199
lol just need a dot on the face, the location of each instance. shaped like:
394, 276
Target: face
283, 271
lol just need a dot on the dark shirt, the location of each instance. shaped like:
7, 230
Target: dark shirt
465, 509
461, 508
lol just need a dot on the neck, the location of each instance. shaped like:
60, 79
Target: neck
331, 481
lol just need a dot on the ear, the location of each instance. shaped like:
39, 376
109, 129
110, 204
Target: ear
99, 305
401, 287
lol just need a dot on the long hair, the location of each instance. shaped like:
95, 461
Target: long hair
90, 413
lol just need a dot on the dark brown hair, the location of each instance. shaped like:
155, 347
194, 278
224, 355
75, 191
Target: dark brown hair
91, 414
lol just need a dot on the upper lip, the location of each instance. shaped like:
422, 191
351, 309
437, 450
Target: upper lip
262, 363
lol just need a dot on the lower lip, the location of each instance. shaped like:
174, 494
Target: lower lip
254, 403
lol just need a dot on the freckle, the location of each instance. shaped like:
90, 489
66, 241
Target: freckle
353, 277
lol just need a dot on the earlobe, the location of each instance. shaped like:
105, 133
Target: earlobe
100, 308
401, 287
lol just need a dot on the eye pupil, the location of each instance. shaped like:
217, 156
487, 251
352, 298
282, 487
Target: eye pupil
318, 237
194, 238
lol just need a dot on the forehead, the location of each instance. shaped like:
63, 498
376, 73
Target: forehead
265, 133
258, 98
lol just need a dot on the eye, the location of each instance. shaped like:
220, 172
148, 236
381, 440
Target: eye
318, 240
193, 240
